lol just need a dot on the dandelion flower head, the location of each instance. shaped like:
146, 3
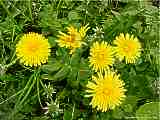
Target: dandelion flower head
73, 39
127, 47
107, 91
33, 49
101, 56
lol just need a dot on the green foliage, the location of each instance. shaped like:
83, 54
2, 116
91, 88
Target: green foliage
56, 90
148, 111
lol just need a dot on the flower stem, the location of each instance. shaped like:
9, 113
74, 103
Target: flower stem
10, 64
11, 97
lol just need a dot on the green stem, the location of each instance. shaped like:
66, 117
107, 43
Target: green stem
33, 97
6, 9
14, 54
13, 33
38, 92
25, 91
43, 86
26, 87
8, 12
11, 97
59, 4
11, 117
30, 9
73, 110
11, 63
3, 53
29, 90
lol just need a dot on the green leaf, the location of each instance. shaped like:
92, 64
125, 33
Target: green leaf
132, 72
84, 72
67, 115
128, 108
40, 118
52, 41
8, 77
132, 100
118, 113
52, 67
141, 67
61, 74
73, 15
104, 116
75, 59
148, 111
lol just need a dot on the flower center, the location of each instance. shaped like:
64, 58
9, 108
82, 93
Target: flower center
106, 91
128, 48
71, 38
32, 47
100, 55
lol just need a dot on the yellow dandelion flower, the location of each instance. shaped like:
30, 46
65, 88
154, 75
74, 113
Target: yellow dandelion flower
127, 47
73, 38
101, 56
33, 49
106, 91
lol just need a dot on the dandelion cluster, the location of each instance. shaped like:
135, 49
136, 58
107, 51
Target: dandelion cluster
102, 54
107, 90
79, 59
